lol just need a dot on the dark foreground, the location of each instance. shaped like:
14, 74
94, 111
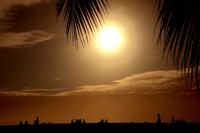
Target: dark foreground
122, 127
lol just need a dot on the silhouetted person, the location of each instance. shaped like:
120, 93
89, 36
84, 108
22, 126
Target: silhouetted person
106, 121
26, 123
76, 121
101, 121
84, 122
158, 119
173, 120
79, 121
36, 122
183, 121
72, 121
20, 123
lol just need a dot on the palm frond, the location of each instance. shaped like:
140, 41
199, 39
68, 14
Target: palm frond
81, 18
179, 26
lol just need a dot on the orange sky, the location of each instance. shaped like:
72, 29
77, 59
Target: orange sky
43, 75
116, 108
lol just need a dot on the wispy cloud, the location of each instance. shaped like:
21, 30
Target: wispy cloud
144, 83
155, 82
11, 39
18, 93
31, 92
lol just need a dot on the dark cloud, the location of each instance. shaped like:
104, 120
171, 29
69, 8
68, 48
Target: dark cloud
5, 5
25, 38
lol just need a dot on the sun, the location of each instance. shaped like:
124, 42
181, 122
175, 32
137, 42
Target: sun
109, 39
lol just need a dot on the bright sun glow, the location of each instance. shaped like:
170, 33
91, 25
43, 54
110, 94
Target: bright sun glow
109, 39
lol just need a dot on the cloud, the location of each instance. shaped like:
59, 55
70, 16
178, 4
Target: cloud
31, 92
155, 82
5, 5
12, 39
18, 93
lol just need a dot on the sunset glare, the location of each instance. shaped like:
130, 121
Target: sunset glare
109, 39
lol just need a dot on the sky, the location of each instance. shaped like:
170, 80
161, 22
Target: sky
41, 74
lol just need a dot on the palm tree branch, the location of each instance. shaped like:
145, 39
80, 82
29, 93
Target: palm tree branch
179, 33
82, 18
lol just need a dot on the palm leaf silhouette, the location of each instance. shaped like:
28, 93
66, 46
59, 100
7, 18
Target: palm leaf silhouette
179, 33
81, 18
